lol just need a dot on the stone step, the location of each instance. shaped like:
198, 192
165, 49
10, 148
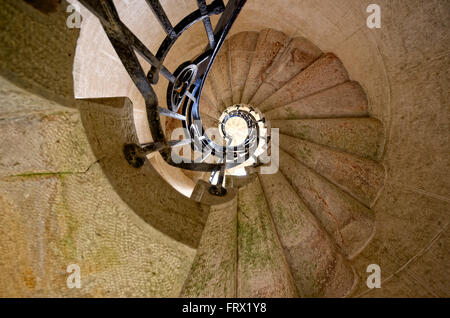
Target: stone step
359, 176
347, 221
359, 136
262, 269
345, 100
317, 268
221, 75
270, 43
196, 176
208, 121
209, 92
299, 54
242, 48
326, 72
206, 106
213, 272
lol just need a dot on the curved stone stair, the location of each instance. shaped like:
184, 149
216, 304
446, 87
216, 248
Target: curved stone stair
269, 44
346, 100
358, 136
360, 177
324, 73
317, 267
295, 232
263, 270
242, 47
214, 271
298, 55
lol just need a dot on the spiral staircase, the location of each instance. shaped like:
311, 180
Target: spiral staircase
291, 233
288, 227
283, 233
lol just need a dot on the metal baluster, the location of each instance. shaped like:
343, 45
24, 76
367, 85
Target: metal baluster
159, 12
169, 113
207, 23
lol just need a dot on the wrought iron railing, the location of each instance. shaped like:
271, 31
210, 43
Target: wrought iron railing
185, 84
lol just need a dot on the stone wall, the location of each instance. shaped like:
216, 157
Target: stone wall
67, 195
403, 68
59, 207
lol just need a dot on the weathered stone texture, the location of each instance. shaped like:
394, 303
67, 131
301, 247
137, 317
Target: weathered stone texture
326, 72
347, 221
270, 43
317, 268
67, 195
345, 100
43, 142
109, 127
297, 56
410, 245
242, 49
213, 272
359, 136
51, 221
221, 74
361, 177
59, 207
262, 267
37, 49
